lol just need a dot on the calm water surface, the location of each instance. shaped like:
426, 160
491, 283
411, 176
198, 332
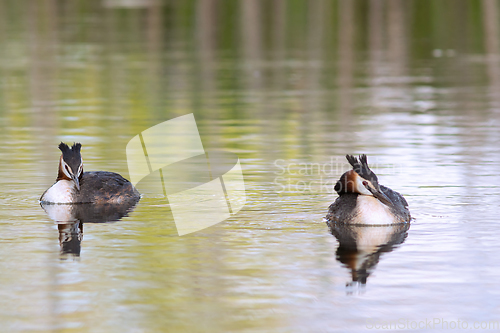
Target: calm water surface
290, 103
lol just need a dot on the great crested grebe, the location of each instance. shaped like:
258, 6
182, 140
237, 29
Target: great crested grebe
363, 201
75, 186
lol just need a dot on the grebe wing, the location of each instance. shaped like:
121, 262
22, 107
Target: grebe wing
400, 203
343, 208
106, 187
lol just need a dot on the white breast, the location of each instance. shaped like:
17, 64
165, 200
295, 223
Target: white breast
61, 192
60, 213
369, 210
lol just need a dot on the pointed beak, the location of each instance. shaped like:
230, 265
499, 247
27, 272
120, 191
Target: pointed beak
378, 194
77, 182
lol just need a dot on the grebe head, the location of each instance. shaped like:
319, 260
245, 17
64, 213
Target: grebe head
70, 163
361, 180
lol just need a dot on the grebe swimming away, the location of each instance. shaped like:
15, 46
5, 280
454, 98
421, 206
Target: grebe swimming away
363, 201
75, 186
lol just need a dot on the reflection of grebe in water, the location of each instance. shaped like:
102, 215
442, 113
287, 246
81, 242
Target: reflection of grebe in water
79, 197
70, 237
360, 246
363, 201
70, 220
367, 219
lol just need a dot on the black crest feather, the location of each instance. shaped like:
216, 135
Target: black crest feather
71, 155
361, 167
354, 162
64, 148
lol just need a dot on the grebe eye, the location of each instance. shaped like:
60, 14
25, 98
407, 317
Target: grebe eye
68, 170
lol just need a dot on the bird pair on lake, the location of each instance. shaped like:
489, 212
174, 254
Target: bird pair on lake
361, 199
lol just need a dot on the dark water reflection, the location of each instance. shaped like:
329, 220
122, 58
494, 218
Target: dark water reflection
286, 86
70, 237
70, 220
360, 247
